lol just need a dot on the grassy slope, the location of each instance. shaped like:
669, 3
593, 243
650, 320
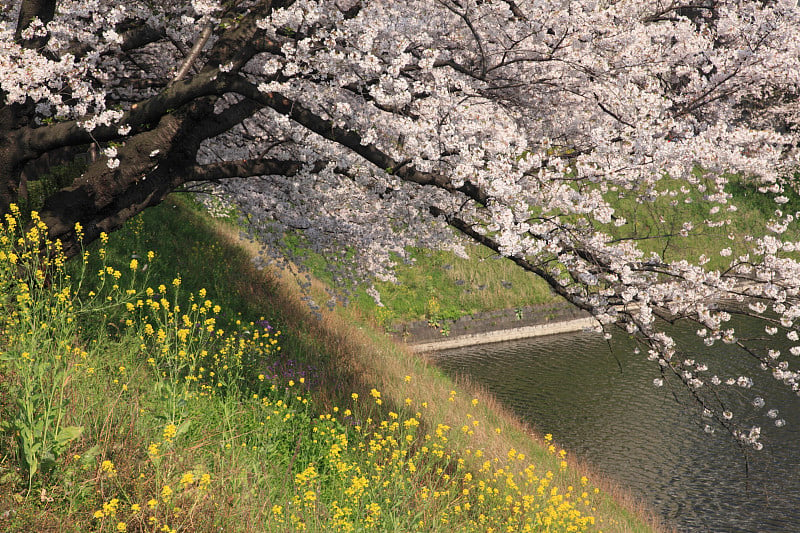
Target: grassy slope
441, 286
122, 415
370, 359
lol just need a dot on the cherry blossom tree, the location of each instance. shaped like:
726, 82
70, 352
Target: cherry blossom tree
369, 126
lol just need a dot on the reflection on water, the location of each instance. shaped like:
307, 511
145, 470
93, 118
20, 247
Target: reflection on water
599, 402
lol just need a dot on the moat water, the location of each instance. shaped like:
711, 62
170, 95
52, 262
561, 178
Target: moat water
598, 400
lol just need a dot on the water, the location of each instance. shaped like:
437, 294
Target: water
599, 403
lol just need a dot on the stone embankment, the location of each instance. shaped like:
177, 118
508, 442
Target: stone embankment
504, 325
494, 326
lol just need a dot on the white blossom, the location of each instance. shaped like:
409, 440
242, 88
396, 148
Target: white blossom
546, 135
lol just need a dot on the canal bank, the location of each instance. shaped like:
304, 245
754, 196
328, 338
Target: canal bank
499, 326
400, 377
494, 326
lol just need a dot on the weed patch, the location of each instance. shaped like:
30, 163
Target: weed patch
146, 406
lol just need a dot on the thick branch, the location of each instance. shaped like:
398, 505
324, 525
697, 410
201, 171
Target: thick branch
352, 140
205, 35
131, 40
245, 168
44, 10
152, 164
35, 141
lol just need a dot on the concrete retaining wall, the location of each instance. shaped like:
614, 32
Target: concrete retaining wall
550, 328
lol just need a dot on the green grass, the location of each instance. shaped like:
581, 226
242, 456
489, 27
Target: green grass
156, 422
440, 287
313, 425
656, 225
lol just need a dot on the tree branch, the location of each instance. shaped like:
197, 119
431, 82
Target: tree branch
350, 139
35, 141
245, 168
205, 35
44, 10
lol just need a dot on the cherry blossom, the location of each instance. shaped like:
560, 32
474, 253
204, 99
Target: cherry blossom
359, 129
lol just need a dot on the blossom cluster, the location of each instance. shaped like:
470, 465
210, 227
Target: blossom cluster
540, 128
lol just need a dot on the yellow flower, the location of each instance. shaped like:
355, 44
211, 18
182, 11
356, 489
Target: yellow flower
122, 526
169, 431
108, 466
110, 508
152, 503
134, 264
166, 492
187, 479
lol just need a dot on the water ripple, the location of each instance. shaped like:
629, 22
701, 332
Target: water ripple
603, 407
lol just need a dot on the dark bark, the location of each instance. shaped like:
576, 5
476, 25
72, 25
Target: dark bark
24, 144
14, 116
352, 140
175, 123
243, 169
103, 198
10, 164
31, 9
152, 164
22, 141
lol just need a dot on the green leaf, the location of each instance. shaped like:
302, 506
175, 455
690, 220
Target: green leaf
68, 434
31, 463
183, 428
10, 477
88, 456
47, 461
